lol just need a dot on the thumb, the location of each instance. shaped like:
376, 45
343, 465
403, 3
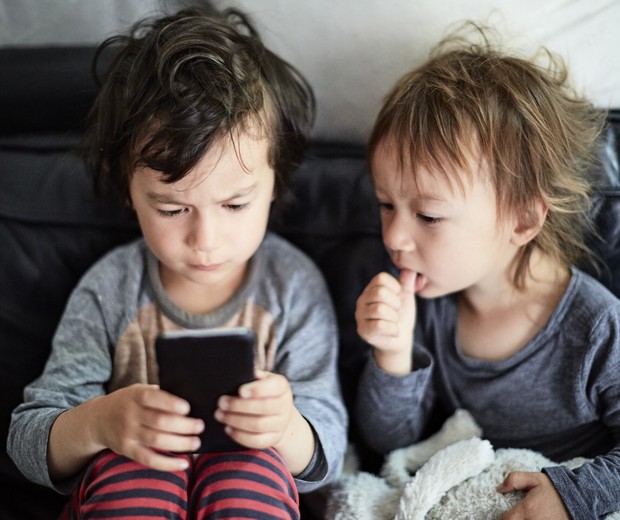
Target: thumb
407, 298
407, 281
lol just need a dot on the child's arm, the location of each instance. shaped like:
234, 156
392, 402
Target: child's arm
136, 421
591, 490
300, 393
264, 416
393, 400
296, 406
385, 315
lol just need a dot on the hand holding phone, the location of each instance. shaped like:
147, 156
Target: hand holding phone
201, 365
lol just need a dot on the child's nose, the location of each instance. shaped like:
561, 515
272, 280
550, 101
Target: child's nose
203, 235
398, 234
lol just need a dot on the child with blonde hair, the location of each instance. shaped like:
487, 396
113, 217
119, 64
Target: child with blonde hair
481, 164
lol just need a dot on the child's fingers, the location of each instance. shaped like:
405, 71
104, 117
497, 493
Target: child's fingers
379, 311
385, 312
176, 424
254, 430
253, 440
374, 316
158, 461
407, 281
270, 395
251, 423
141, 442
381, 300
518, 481
168, 442
160, 411
386, 280
261, 374
150, 396
383, 288
375, 329
267, 385
253, 406
407, 299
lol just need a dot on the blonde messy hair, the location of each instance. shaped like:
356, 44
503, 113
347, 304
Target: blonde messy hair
536, 134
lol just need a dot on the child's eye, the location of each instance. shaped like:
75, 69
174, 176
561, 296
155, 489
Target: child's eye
426, 219
236, 207
171, 212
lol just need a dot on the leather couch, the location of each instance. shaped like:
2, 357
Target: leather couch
52, 229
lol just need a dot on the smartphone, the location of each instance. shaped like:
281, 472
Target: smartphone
201, 365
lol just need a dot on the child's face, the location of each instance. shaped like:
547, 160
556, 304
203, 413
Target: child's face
205, 227
451, 238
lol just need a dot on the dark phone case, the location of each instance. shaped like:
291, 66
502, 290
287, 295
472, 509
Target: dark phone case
202, 365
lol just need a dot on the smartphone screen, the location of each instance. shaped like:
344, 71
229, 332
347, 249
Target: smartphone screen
200, 365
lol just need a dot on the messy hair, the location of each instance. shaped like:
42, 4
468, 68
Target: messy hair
178, 84
535, 133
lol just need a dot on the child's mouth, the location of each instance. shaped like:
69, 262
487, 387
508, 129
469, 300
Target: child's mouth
420, 282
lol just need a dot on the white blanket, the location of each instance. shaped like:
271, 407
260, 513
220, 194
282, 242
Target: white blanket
455, 476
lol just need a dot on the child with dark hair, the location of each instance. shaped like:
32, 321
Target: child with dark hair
197, 127
481, 162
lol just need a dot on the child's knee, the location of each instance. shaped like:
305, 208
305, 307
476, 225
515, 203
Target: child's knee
113, 481
256, 481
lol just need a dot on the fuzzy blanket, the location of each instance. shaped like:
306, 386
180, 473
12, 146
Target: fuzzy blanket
455, 475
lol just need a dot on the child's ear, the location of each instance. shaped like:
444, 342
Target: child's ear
529, 222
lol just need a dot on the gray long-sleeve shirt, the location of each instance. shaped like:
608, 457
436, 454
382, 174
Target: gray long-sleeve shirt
106, 337
559, 395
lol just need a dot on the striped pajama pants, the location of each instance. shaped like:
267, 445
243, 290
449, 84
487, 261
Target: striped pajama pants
247, 484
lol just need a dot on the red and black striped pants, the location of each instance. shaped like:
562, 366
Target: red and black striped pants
242, 484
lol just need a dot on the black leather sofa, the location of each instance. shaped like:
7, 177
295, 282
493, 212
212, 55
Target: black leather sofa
52, 229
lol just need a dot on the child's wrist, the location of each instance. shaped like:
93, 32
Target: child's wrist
394, 363
297, 444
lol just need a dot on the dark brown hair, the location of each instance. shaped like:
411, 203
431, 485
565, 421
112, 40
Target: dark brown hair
178, 83
537, 136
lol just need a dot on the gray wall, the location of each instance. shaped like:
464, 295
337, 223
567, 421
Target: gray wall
353, 50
